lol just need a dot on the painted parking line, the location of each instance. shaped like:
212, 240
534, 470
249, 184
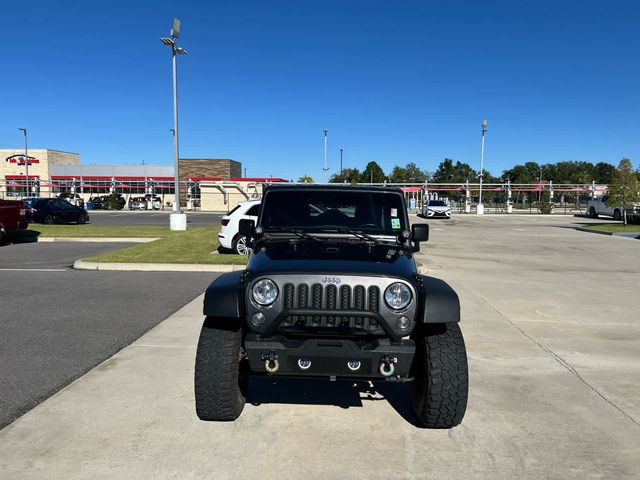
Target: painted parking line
34, 269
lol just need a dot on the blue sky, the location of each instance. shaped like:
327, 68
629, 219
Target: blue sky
392, 81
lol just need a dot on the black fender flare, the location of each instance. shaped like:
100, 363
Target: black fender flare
224, 297
439, 303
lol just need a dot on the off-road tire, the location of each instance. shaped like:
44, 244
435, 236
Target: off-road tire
593, 213
441, 383
617, 215
221, 373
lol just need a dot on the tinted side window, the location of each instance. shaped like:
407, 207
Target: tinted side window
253, 211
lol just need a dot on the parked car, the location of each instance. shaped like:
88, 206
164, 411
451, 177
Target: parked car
72, 198
598, 206
108, 202
229, 237
436, 208
140, 203
12, 218
54, 210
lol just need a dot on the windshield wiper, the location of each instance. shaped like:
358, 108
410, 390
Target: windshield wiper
298, 233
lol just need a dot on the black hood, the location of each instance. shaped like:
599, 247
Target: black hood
339, 258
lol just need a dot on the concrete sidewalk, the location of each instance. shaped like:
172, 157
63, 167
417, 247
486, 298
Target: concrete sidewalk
551, 331
133, 417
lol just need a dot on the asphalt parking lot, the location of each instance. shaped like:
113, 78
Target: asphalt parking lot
551, 325
58, 323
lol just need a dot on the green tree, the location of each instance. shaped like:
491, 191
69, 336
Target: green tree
448, 172
527, 173
624, 190
348, 175
305, 179
603, 172
411, 173
372, 173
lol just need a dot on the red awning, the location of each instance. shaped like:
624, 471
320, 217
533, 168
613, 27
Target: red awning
15, 185
411, 189
163, 186
443, 189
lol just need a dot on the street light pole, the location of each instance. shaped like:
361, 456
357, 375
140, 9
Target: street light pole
540, 185
26, 160
325, 168
480, 207
341, 162
178, 220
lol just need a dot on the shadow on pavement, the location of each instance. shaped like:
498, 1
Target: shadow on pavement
341, 393
23, 236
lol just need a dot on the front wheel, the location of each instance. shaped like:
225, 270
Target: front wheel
49, 219
441, 383
593, 213
221, 371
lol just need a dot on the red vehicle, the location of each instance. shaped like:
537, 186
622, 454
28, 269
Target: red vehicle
12, 217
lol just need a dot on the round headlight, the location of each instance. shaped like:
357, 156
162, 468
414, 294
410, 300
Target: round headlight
397, 296
265, 292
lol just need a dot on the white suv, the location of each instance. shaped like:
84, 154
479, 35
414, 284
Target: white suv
229, 237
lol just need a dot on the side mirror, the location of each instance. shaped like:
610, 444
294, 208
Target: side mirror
246, 227
419, 233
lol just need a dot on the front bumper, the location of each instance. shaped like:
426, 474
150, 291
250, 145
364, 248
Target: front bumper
432, 214
330, 357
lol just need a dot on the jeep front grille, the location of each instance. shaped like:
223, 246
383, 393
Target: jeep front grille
334, 299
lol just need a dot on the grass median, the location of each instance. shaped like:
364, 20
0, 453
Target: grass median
613, 227
195, 245
85, 231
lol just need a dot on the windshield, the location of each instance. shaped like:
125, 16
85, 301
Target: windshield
377, 213
437, 203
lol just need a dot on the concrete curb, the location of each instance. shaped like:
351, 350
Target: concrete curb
98, 239
634, 235
155, 267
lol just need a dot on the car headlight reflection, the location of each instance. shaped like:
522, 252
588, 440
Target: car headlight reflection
265, 292
397, 296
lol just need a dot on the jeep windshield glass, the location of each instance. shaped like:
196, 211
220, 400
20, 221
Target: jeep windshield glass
372, 213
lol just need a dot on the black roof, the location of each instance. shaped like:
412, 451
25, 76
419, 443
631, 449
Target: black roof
335, 186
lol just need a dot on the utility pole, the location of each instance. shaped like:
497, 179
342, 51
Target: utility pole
341, 162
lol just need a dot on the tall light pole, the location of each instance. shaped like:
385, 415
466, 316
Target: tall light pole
325, 168
26, 160
540, 184
341, 162
480, 208
178, 220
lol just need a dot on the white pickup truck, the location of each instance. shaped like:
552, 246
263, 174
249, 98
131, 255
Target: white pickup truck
598, 206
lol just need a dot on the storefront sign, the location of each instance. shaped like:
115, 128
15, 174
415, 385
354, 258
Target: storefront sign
19, 159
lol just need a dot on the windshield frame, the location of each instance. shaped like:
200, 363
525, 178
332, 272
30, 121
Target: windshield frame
333, 230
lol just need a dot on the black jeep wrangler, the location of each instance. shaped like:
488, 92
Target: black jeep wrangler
331, 290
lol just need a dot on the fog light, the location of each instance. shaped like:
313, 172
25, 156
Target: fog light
304, 363
353, 365
257, 318
403, 323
